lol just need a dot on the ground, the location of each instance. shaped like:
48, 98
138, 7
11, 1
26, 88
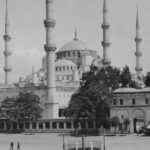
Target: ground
54, 141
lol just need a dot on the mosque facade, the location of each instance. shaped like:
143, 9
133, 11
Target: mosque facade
71, 61
61, 71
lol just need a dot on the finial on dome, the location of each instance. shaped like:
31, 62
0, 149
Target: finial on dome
75, 38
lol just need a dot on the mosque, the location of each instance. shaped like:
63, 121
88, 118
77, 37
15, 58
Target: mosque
60, 74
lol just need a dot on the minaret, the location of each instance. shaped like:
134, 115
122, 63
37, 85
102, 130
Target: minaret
7, 52
138, 52
33, 75
105, 42
51, 106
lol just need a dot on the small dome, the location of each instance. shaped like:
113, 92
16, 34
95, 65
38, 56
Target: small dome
64, 62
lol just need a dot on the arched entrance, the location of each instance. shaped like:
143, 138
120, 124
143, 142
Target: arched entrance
138, 117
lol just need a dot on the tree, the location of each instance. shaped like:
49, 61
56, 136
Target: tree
126, 77
24, 107
114, 123
147, 79
126, 122
7, 109
91, 101
111, 76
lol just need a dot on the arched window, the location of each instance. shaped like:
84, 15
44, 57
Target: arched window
74, 54
64, 54
68, 54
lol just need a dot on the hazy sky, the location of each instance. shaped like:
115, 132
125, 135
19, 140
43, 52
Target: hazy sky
28, 32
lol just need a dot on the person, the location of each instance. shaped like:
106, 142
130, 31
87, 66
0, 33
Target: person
128, 130
11, 146
18, 146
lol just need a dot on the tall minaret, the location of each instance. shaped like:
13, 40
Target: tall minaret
7, 52
105, 42
51, 106
138, 52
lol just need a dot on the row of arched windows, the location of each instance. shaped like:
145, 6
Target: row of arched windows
60, 78
68, 54
65, 68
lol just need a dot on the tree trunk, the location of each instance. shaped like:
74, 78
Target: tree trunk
115, 130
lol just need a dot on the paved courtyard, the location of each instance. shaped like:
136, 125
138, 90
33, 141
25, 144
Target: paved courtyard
54, 142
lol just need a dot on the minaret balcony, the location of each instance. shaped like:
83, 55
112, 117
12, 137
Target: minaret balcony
49, 47
106, 61
49, 1
138, 53
105, 26
7, 37
7, 69
49, 23
138, 40
105, 44
138, 68
7, 53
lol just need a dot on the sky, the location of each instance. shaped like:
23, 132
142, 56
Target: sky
28, 32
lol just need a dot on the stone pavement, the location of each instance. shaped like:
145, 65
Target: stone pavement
54, 141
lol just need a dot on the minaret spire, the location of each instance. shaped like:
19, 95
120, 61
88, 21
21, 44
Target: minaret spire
33, 75
51, 105
7, 52
75, 35
137, 18
138, 41
105, 42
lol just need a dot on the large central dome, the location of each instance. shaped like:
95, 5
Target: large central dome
73, 45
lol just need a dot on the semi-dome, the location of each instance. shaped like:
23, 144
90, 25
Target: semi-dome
73, 45
64, 62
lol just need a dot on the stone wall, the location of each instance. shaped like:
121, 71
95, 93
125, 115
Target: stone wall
132, 105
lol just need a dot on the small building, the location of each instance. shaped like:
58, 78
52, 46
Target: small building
133, 104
